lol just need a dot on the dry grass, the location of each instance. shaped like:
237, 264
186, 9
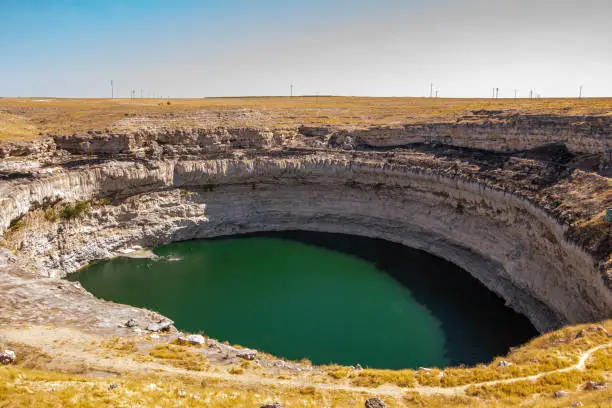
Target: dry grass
236, 371
600, 360
374, 378
180, 356
569, 381
34, 389
23, 119
548, 352
16, 128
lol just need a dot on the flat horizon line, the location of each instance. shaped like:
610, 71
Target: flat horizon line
305, 96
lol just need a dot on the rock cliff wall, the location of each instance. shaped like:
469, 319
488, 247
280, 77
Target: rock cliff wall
501, 133
493, 131
518, 250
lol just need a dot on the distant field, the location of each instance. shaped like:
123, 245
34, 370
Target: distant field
23, 119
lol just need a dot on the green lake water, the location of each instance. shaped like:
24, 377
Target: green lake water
326, 297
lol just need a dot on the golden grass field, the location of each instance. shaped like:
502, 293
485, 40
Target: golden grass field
23, 119
74, 369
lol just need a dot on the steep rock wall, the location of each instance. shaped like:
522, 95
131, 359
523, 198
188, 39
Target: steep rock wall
514, 248
501, 133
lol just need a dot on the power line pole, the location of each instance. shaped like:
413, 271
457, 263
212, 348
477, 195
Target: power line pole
580, 93
112, 90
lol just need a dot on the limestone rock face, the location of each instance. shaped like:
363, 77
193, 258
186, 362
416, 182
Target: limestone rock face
499, 132
95, 143
496, 224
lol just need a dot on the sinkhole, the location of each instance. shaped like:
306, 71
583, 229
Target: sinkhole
330, 298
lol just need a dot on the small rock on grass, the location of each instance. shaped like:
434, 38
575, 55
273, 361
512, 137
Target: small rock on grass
7, 357
560, 394
375, 403
593, 386
273, 405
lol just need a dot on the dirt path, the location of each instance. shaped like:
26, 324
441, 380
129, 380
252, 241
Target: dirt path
74, 345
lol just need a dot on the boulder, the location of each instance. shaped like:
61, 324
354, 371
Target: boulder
594, 386
375, 403
560, 394
247, 354
195, 339
7, 357
504, 363
130, 323
164, 325
273, 405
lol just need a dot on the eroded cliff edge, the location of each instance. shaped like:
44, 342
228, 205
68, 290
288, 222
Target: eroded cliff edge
531, 230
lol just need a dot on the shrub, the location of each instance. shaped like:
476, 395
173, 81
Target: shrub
16, 225
51, 214
72, 211
338, 372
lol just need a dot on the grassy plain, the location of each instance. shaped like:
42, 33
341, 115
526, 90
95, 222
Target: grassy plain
23, 119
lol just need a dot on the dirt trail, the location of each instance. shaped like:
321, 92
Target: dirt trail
74, 345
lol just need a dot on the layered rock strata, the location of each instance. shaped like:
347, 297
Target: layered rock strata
500, 232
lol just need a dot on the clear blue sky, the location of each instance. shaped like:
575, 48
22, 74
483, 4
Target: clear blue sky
189, 48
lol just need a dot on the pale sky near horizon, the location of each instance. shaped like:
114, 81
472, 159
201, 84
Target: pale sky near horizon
191, 48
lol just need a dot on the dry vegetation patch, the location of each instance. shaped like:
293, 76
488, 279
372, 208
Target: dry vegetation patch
180, 356
548, 384
374, 378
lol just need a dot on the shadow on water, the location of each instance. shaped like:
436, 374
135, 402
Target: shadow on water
463, 305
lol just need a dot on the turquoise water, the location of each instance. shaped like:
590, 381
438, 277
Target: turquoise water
307, 295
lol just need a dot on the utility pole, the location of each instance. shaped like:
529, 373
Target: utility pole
497, 93
112, 90
580, 93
